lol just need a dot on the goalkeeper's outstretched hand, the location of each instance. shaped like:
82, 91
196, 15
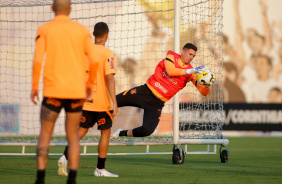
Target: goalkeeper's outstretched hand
195, 70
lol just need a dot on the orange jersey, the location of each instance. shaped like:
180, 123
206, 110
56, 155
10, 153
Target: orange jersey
65, 43
168, 78
100, 99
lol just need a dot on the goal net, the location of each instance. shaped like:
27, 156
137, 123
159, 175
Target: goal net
141, 32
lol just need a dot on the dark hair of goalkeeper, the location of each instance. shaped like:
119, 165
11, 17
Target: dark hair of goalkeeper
190, 46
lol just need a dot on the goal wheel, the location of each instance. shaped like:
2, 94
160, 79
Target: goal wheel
224, 156
178, 155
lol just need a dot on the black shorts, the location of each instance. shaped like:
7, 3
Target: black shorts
70, 105
103, 119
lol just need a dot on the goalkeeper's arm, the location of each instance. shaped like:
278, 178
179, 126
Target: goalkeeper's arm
204, 90
172, 71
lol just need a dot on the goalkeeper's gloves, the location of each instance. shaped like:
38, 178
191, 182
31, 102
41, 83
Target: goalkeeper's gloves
194, 70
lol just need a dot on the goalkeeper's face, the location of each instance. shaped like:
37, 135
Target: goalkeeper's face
187, 55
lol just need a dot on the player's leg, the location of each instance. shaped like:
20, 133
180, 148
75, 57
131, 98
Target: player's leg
135, 97
73, 110
81, 133
103, 149
87, 121
72, 121
104, 143
63, 160
104, 120
151, 119
129, 97
141, 97
48, 118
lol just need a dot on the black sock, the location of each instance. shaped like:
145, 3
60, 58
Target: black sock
72, 177
40, 177
101, 163
66, 152
123, 133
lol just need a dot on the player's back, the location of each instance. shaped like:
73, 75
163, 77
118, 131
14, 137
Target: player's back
101, 99
64, 69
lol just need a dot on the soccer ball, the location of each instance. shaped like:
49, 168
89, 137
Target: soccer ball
205, 77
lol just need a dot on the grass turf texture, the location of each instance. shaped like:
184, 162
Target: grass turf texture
252, 160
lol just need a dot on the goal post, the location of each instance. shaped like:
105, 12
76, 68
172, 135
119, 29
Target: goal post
197, 131
141, 32
177, 17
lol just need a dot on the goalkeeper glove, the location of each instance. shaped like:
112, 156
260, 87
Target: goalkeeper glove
194, 70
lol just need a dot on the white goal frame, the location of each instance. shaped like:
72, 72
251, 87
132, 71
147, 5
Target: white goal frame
176, 140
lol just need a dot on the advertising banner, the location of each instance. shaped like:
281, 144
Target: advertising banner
235, 116
9, 121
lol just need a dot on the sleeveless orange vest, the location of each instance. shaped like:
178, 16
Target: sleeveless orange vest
167, 86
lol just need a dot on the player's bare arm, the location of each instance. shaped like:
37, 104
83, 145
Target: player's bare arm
111, 87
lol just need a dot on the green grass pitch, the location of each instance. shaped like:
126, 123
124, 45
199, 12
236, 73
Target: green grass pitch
253, 160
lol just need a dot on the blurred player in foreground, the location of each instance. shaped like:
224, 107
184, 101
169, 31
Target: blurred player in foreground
65, 44
171, 75
101, 107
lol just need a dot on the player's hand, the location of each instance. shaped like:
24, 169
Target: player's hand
34, 96
88, 92
115, 110
211, 81
200, 69
195, 70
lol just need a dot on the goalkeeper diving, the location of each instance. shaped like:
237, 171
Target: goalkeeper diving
171, 75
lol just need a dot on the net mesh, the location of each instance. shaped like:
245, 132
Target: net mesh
141, 32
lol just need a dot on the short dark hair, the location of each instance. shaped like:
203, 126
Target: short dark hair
100, 29
190, 46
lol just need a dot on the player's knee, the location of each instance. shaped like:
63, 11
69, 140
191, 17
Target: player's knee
148, 131
142, 131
